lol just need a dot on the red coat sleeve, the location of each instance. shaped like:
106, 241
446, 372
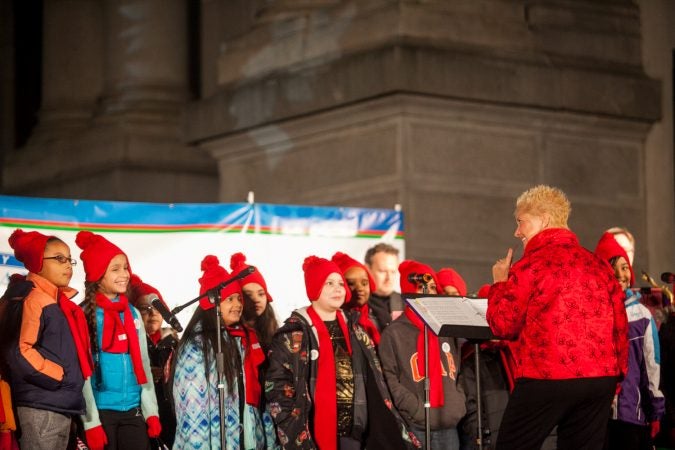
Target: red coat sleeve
507, 304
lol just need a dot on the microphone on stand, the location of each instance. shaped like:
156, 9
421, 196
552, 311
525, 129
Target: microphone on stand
243, 274
420, 278
211, 292
159, 305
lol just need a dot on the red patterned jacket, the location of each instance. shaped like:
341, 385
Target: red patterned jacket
563, 309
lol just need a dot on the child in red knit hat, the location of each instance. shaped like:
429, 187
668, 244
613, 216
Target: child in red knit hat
361, 284
451, 282
196, 378
44, 341
324, 378
162, 342
403, 362
126, 412
258, 312
639, 405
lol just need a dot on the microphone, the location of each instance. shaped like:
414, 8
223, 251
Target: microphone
420, 278
668, 277
159, 305
244, 273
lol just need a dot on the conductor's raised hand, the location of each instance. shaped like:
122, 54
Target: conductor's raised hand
500, 271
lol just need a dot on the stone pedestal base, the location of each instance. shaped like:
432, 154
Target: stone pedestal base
455, 167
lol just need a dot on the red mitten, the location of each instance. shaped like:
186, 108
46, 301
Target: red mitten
655, 427
96, 438
154, 427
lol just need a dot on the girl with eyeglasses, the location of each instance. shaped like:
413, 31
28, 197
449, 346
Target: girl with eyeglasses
125, 412
44, 340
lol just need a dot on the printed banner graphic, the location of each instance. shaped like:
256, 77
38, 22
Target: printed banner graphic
167, 242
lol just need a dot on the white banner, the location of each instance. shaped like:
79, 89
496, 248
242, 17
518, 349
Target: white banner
167, 242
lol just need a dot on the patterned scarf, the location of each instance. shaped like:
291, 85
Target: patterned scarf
325, 396
253, 357
77, 323
435, 369
121, 336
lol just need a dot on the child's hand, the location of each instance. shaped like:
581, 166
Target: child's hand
655, 427
96, 438
154, 427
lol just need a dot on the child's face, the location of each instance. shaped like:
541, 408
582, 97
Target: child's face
152, 319
231, 309
54, 271
333, 293
256, 293
431, 288
622, 272
116, 277
450, 290
359, 284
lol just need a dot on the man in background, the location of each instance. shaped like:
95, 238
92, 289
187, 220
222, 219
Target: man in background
382, 261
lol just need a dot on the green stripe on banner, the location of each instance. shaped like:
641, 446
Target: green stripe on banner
10, 223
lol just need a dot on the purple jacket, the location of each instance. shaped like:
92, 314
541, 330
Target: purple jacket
640, 400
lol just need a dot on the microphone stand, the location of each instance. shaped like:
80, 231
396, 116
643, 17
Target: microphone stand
214, 298
244, 273
479, 411
427, 383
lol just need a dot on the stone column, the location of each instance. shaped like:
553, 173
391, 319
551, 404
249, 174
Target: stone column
145, 59
72, 77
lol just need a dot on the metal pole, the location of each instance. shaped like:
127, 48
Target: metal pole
427, 394
479, 440
214, 296
427, 383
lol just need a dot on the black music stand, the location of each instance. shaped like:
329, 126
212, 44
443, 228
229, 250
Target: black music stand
459, 317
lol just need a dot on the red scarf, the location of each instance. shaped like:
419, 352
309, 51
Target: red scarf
435, 369
367, 324
155, 337
325, 396
77, 323
253, 357
119, 336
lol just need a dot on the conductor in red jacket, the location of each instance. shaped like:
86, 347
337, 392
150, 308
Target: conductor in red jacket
563, 312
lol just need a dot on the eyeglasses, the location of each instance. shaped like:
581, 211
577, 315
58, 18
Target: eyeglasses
63, 259
148, 309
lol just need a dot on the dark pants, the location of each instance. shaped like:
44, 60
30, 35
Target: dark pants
628, 436
125, 430
580, 407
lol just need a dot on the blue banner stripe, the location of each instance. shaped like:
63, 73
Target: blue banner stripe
200, 214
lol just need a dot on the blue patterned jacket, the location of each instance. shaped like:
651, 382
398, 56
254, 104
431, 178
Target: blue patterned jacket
195, 395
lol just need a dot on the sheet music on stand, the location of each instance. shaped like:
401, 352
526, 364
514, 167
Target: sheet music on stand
462, 317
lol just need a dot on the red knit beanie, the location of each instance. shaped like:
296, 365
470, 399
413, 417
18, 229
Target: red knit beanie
97, 252
484, 291
609, 248
316, 271
214, 274
141, 289
29, 248
346, 262
449, 277
409, 267
238, 263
